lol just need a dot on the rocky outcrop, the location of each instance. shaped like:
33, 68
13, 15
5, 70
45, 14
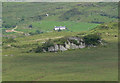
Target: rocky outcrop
71, 43
44, 50
73, 46
65, 47
51, 49
62, 48
56, 48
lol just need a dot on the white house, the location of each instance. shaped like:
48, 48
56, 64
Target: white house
47, 14
59, 28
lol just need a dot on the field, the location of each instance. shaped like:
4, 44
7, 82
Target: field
91, 64
72, 26
88, 64
71, 15
77, 65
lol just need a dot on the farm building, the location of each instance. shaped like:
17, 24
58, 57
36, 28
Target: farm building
59, 28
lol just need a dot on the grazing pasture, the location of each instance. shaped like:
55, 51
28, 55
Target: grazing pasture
72, 26
88, 64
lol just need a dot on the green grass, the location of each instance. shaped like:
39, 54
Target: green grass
13, 13
88, 64
72, 26
94, 64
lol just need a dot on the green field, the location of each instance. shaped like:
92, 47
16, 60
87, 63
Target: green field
73, 15
95, 64
88, 64
72, 26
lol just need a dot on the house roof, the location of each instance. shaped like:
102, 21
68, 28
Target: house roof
8, 30
60, 27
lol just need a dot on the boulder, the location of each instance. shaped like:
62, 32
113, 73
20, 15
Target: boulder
62, 48
67, 46
44, 50
51, 49
73, 46
81, 46
56, 47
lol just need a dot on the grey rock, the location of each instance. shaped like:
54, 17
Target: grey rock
67, 46
51, 49
81, 46
62, 48
44, 50
56, 47
73, 46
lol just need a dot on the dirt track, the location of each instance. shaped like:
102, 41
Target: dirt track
48, 38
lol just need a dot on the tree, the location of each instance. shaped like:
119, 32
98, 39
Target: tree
38, 49
30, 26
92, 39
38, 32
47, 44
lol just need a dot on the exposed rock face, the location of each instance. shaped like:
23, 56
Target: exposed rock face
44, 50
81, 46
51, 49
77, 44
73, 46
56, 47
62, 48
67, 46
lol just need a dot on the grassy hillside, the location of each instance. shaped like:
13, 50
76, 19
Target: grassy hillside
21, 12
86, 64
95, 64
72, 15
72, 26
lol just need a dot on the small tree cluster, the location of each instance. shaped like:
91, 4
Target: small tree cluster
9, 40
92, 39
36, 32
47, 44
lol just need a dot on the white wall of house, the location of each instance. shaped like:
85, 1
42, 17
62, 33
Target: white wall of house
56, 28
60, 28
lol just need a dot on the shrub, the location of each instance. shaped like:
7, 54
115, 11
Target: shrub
82, 33
31, 33
30, 26
47, 44
9, 40
38, 49
74, 42
13, 45
92, 39
6, 25
38, 32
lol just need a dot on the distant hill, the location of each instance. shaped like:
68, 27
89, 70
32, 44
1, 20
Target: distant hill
25, 13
